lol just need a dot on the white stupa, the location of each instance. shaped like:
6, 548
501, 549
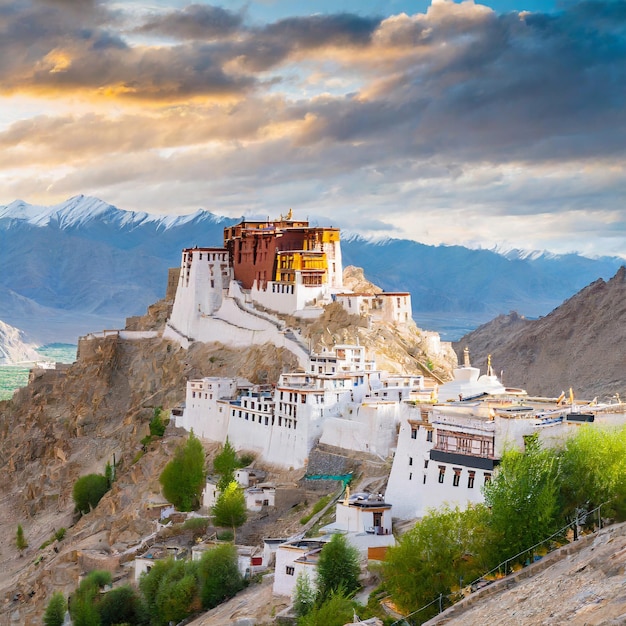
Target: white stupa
468, 383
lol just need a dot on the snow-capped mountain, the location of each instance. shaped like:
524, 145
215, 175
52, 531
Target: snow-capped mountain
85, 262
14, 347
80, 211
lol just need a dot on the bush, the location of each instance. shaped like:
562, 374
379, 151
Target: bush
219, 575
317, 507
55, 611
119, 606
20, 540
88, 491
197, 525
170, 591
183, 477
157, 423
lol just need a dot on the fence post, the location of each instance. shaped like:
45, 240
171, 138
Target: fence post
440, 602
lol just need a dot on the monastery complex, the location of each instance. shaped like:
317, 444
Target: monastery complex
445, 439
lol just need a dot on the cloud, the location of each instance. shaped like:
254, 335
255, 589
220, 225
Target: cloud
487, 119
196, 21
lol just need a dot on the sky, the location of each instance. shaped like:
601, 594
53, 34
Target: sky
496, 125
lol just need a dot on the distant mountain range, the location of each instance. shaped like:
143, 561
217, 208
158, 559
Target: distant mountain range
581, 344
86, 265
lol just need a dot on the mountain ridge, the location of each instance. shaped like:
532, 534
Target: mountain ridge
581, 340
87, 257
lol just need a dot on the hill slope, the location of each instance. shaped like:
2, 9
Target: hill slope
582, 585
581, 344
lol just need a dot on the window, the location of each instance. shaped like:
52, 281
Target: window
429, 435
425, 463
442, 472
410, 475
289, 570
413, 433
470, 480
424, 479
487, 477
457, 477
410, 460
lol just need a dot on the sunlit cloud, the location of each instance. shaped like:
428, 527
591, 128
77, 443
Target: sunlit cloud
458, 124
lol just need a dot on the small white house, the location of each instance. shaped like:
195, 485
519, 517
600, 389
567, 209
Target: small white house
145, 562
293, 557
260, 496
365, 520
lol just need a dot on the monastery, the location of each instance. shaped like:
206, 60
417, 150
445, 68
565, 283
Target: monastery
445, 441
285, 266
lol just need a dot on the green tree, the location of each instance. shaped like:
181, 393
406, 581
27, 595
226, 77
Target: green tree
524, 499
219, 575
336, 610
88, 491
230, 507
337, 568
83, 604
593, 470
55, 611
150, 582
445, 549
157, 424
119, 606
108, 474
20, 539
225, 464
170, 591
303, 595
183, 477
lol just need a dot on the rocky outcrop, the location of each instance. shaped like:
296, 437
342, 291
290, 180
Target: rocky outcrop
581, 344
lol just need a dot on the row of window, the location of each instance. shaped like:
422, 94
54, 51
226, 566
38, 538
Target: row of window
266, 420
293, 396
456, 477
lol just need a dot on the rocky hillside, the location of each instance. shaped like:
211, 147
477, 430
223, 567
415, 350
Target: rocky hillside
71, 422
580, 584
581, 344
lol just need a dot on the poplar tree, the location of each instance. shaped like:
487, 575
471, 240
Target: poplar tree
230, 507
20, 540
184, 477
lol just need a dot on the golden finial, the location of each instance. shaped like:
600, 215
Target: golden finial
290, 214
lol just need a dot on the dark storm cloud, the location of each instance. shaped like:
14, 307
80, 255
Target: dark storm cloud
502, 88
196, 21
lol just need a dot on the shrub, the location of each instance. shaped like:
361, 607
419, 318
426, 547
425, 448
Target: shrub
88, 491
20, 540
197, 525
157, 424
119, 606
55, 611
59, 535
